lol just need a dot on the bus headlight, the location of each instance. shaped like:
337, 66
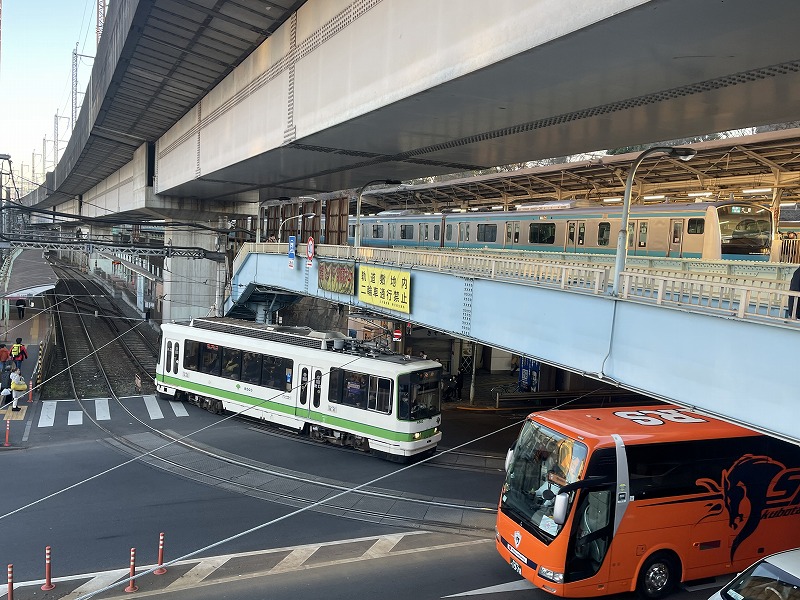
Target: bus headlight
551, 575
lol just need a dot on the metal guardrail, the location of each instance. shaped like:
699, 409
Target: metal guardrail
720, 291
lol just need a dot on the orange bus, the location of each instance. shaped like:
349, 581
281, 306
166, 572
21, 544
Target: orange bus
602, 501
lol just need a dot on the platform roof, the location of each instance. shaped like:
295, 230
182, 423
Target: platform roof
29, 275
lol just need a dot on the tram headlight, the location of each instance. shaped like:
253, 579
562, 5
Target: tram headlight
417, 435
551, 575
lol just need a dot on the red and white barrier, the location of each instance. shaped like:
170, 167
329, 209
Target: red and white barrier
48, 583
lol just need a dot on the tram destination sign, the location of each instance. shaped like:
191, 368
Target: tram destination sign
387, 288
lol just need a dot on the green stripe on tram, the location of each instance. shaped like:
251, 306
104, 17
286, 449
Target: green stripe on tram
316, 416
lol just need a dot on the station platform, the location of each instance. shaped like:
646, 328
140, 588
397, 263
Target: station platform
33, 328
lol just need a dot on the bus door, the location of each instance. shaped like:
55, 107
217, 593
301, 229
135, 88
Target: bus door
512, 234
590, 538
676, 237
576, 236
637, 237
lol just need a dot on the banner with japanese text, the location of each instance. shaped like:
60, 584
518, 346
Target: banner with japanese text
386, 288
336, 277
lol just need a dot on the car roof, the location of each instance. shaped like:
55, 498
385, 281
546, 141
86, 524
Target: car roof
788, 561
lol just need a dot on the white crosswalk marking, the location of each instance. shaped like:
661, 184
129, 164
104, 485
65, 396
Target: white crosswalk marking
75, 418
101, 410
48, 416
178, 408
153, 407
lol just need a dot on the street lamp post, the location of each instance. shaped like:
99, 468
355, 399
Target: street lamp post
358, 205
280, 227
622, 238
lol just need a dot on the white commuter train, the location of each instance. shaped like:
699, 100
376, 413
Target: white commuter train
708, 230
320, 383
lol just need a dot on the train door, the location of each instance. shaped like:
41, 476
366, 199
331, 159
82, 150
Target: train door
676, 237
424, 234
512, 234
637, 237
576, 236
303, 392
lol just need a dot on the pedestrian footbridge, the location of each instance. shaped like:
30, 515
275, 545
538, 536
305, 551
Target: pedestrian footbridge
709, 339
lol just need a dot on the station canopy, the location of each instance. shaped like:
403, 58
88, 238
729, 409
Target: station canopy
28, 274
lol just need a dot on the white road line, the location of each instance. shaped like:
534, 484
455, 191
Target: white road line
101, 410
97, 583
514, 586
294, 559
75, 418
383, 545
199, 572
178, 408
152, 407
48, 415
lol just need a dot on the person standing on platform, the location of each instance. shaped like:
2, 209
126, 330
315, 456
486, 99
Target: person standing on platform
21, 308
5, 356
18, 353
18, 388
794, 302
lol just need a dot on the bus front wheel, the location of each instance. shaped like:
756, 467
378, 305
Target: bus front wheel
658, 577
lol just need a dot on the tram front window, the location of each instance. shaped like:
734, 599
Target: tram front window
419, 395
745, 229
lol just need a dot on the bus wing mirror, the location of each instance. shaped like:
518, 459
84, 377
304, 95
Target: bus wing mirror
560, 508
509, 456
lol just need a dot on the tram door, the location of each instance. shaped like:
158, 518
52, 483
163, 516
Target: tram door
576, 236
308, 394
512, 234
676, 237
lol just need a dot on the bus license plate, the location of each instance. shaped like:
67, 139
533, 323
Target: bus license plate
516, 567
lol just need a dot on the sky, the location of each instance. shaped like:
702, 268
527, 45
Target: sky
38, 38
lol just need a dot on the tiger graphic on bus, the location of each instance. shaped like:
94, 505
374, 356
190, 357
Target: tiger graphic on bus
765, 485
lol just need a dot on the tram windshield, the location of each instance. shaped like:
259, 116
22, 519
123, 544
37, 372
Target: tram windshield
745, 229
543, 462
419, 395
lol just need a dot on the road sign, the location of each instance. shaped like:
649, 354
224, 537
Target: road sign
292, 246
310, 252
398, 335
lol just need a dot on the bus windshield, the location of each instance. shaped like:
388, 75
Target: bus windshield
542, 462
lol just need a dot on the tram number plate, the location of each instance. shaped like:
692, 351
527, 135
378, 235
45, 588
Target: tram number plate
516, 567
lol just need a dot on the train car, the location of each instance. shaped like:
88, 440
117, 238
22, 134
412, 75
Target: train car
707, 230
322, 384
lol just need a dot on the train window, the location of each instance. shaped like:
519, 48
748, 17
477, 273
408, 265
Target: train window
487, 233
168, 362
436, 231
642, 234
696, 226
581, 233
377, 232
463, 232
251, 368
209, 359
406, 232
351, 231
603, 233
177, 352
448, 232
571, 234
276, 373
630, 234
392, 231
423, 232
380, 394
231, 363
303, 386
542, 233
191, 354
317, 387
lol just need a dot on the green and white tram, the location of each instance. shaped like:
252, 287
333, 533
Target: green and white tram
320, 383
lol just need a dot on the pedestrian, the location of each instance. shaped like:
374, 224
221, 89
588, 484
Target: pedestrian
794, 305
459, 383
18, 353
18, 388
5, 397
21, 308
5, 356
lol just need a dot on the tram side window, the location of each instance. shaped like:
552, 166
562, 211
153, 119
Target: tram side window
232, 363
191, 355
377, 232
335, 385
642, 234
542, 233
406, 232
176, 357
317, 388
380, 394
603, 233
168, 361
276, 373
696, 226
487, 233
209, 359
251, 368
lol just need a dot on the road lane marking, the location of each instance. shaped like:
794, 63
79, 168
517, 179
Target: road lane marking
75, 417
153, 409
48, 416
199, 572
101, 410
178, 408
